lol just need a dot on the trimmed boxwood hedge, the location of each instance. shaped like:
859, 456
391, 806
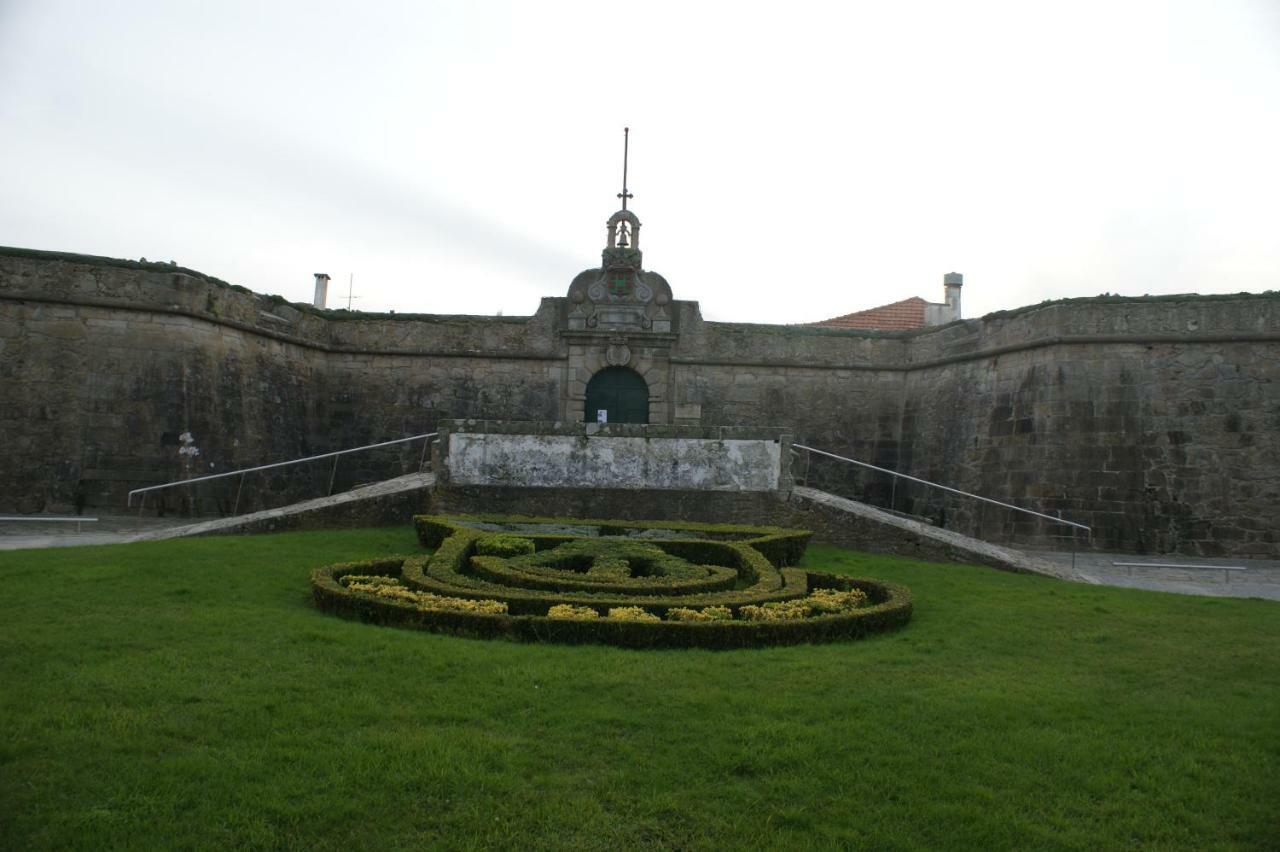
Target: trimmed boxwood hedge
443, 574
743, 566
504, 546
524, 573
607, 559
781, 546
890, 609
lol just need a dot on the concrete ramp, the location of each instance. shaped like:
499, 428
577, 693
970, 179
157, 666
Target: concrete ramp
392, 501
858, 526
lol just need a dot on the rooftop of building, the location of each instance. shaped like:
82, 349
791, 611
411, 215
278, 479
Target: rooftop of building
897, 316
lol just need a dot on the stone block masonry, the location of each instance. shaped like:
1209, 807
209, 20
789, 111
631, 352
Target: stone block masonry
1155, 420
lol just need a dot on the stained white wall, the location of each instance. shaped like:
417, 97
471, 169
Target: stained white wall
551, 461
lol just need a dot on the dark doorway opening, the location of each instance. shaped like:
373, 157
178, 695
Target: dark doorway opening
621, 393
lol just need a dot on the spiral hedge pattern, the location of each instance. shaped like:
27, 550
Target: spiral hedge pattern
635, 584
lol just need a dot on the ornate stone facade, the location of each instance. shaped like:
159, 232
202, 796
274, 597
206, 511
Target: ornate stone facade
619, 315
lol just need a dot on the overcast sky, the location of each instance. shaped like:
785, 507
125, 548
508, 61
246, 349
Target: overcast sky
790, 161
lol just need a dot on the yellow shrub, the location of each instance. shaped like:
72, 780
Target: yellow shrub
711, 613
571, 611
631, 613
397, 592
369, 580
428, 601
776, 611
823, 601
392, 590
818, 602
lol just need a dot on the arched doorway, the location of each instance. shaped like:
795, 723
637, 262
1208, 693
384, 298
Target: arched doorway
620, 392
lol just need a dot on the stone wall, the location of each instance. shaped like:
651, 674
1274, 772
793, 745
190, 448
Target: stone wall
1155, 420
1159, 446
104, 364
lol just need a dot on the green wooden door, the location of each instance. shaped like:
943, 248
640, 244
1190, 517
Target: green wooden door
619, 391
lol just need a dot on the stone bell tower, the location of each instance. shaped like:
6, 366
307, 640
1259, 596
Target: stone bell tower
619, 320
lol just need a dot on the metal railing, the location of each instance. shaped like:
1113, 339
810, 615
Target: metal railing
335, 455
1057, 520
49, 519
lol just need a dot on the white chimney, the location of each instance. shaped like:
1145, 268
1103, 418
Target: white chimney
322, 289
951, 283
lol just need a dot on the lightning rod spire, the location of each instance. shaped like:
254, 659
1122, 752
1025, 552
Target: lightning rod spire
626, 139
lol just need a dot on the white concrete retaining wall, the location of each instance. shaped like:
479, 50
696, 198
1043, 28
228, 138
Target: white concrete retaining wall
599, 461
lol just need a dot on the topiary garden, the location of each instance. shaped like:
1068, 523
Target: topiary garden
634, 584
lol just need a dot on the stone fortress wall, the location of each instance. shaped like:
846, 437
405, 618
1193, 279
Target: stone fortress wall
1154, 420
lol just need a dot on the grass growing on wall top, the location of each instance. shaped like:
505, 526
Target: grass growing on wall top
186, 693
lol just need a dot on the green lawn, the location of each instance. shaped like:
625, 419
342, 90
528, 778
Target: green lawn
186, 694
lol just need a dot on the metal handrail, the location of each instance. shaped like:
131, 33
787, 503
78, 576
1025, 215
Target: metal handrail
1087, 529
241, 473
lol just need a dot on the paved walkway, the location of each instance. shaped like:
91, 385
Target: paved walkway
1186, 575
108, 529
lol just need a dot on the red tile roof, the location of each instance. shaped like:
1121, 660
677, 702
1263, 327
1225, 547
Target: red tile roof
899, 316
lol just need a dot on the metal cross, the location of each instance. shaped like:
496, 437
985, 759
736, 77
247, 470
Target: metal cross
624, 195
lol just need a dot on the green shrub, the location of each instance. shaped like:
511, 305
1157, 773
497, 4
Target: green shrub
641, 559
443, 573
604, 576
503, 546
432, 530
780, 545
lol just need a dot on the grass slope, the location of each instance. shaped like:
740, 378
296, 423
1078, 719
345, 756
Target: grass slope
186, 694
